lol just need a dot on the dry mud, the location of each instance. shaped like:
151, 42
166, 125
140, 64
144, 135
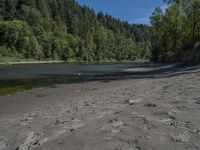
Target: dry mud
147, 109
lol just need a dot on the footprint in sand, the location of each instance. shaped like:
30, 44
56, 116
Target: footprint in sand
113, 126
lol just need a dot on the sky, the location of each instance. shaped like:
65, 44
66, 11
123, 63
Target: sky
133, 11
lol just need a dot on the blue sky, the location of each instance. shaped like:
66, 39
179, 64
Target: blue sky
133, 11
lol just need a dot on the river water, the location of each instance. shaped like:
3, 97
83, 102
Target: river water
15, 78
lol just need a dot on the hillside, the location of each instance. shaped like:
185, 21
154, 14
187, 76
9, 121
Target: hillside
65, 30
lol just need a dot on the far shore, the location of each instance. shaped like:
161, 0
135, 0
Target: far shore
30, 62
61, 61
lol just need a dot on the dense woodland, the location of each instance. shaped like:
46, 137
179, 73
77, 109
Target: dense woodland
64, 30
175, 32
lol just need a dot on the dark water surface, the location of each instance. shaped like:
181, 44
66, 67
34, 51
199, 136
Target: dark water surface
15, 78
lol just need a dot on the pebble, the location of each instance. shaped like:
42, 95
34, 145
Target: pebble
172, 113
150, 105
133, 102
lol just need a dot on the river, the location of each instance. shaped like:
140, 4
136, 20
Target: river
15, 78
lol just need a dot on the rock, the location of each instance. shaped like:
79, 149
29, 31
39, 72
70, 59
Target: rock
172, 112
166, 121
150, 105
182, 137
133, 102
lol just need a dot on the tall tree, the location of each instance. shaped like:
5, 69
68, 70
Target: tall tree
10, 9
63, 29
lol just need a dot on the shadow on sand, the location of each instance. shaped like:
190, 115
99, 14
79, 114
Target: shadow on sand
161, 71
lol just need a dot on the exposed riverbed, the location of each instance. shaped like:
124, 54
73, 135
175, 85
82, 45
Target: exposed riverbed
154, 108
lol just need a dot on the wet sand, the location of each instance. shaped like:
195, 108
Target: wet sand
140, 109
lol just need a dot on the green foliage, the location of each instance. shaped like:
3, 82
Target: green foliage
62, 29
175, 33
16, 35
5, 51
9, 32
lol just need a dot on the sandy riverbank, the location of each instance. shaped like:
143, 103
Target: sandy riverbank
143, 109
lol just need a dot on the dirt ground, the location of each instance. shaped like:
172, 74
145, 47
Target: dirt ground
143, 109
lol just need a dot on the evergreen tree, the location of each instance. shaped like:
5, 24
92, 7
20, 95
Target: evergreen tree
63, 29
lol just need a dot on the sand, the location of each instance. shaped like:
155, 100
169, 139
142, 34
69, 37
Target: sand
143, 109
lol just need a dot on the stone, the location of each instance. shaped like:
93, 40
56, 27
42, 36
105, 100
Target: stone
166, 121
150, 105
133, 102
172, 113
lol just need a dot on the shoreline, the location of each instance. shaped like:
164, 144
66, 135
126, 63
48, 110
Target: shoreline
61, 61
26, 84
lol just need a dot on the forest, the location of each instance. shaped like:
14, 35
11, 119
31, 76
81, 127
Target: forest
175, 32
65, 30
